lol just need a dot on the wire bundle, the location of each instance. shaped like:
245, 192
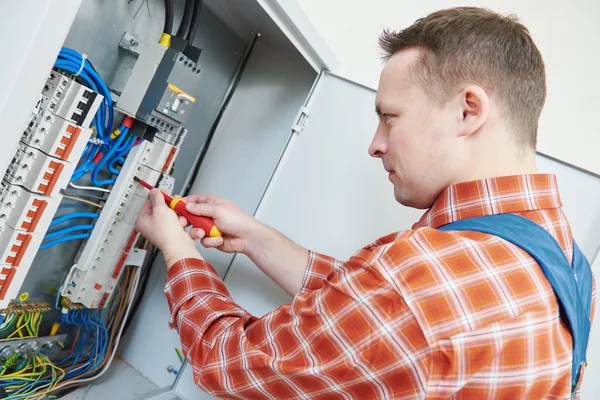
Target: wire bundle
59, 236
102, 153
91, 353
71, 61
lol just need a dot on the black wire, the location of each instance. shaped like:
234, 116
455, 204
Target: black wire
184, 27
168, 27
195, 21
215, 124
149, 261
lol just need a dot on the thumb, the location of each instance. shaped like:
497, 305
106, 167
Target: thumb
202, 209
157, 199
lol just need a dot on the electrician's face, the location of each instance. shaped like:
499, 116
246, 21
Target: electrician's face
416, 136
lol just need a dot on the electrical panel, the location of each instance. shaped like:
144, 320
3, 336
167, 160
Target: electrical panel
69, 197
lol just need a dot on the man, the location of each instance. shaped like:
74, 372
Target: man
423, 313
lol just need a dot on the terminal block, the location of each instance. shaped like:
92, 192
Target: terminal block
26, 308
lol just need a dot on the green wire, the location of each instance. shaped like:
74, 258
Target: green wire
11, 319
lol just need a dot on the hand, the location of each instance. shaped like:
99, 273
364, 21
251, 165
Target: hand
161, 226
237, 226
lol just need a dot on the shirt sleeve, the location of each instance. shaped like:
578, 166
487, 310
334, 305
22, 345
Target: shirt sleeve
344, 331
318, 268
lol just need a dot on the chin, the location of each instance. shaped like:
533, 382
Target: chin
412, 201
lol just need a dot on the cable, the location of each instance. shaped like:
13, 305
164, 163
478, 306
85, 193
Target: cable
186, 20
72, 216
61, 232
97, 189
195, 21
88, 195
104, 160
238, 74
91, 203
145, 278
117, 156
71, 61
63, 239
116, 342
168, 26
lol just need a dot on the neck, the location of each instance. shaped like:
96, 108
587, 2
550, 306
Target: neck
502, 161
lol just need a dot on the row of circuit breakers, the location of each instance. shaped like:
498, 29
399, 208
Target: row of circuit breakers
50, 149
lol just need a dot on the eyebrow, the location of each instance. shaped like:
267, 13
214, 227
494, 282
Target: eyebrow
378, 110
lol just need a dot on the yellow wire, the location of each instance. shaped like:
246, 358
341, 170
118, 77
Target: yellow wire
29, 318
54, 381
34, 323
28, 322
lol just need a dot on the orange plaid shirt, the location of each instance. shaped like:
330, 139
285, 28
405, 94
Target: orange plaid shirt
417, 314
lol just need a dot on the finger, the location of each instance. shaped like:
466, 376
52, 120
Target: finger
212, 241
157, 199
146, 207
183, 222
205, 198
203, 209
197, 233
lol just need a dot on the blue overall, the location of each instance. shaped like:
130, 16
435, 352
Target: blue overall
572, 284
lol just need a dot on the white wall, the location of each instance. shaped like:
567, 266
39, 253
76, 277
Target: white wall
566, 33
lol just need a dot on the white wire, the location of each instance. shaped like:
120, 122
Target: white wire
136, 280
98, 189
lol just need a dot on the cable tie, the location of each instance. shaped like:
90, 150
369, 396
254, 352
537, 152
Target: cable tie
83, 58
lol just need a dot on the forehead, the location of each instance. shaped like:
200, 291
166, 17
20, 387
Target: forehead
394, 81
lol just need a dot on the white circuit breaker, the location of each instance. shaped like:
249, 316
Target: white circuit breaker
100, 262
42, 164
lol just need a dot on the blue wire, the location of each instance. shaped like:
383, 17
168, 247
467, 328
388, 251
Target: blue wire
68, 230
72, 216
71, 61
103, 161
63, 239
119, 155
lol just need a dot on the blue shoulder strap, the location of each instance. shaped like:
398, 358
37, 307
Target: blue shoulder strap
572, 284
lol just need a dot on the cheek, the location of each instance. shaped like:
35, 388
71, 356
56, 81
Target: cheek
409, 142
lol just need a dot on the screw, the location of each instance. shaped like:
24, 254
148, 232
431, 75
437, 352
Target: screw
170, 369
133, 43
6, 352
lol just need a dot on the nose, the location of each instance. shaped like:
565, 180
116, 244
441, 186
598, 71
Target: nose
379, 145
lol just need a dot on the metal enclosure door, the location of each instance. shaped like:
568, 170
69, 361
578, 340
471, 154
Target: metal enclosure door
327, 194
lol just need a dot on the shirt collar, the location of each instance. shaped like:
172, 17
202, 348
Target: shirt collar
499, 195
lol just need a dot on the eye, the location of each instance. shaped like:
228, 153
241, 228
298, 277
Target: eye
386, 117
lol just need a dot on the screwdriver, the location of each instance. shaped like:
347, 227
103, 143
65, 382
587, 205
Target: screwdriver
177, 204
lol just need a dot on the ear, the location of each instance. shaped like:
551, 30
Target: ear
475, 108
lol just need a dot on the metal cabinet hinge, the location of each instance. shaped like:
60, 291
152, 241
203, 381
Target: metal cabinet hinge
300, 121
